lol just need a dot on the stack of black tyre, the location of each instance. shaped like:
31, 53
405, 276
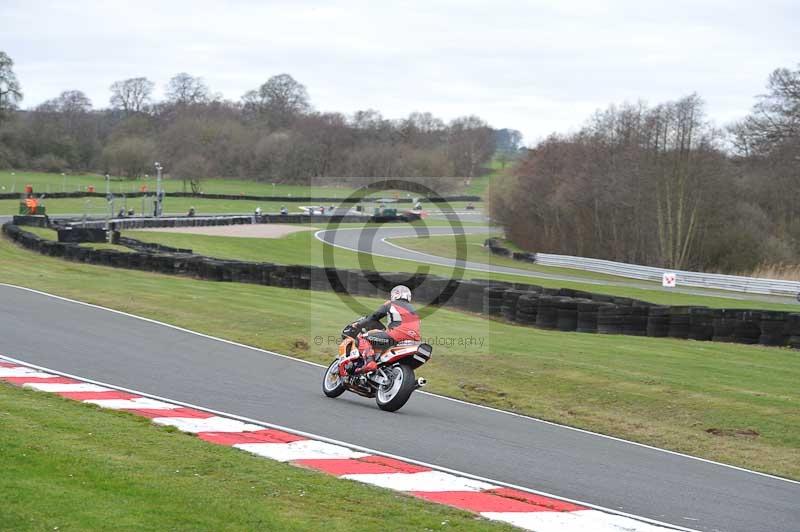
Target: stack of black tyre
748, 329
444, 291
610, 319
493, 297
527, 309
566, 314
658, 321
587, 315
701, 326
475, 298
635, 320
725, 322
460, 298
793, 330
774, 328
679, 322
547, 312
510, 300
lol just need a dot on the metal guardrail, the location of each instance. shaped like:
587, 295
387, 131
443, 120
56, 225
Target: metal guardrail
736, 283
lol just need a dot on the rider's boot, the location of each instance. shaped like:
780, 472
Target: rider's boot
347, 365
369, 366
366, 350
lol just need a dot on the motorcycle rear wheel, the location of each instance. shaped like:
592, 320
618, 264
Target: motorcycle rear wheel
332, 383
392, 397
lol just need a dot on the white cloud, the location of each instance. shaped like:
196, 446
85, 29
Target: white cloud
533, 66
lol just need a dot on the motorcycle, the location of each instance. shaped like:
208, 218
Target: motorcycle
392, 383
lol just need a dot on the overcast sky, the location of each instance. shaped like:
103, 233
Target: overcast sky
534, 66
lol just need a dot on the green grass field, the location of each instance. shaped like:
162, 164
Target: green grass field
44, 183
479, 186
70, 466
15, 181
663, 392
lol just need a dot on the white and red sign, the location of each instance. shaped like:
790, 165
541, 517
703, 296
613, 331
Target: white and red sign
669, 280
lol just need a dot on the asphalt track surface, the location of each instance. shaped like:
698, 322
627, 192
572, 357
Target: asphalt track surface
373, 240
152, 358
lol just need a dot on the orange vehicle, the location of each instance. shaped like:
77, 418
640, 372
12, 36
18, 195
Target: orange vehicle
391, 384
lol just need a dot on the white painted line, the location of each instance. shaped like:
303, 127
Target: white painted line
139, 402
423, 481
208, 424
300, 450
444, 397
56, 387
265, 424
577, 521
23, 372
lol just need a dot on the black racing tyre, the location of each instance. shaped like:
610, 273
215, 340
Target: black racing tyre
393, 397
793, 324
332, 384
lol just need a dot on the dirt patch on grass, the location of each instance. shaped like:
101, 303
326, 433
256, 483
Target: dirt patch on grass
736, 433
244, 231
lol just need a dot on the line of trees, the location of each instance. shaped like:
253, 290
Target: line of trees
273, 134
662, 186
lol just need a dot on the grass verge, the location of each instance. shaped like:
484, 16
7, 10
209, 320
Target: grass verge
732, 403
445, 246
70, 466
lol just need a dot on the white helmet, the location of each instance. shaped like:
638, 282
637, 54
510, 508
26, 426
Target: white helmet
400, 292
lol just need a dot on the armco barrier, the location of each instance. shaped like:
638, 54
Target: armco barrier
527, 305
737, 283
697, 279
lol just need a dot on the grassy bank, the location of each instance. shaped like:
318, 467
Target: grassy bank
736, 404
69, 466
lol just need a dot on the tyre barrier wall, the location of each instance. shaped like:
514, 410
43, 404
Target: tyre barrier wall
118, 224
34, 220
151, 247
287, 199
519, 303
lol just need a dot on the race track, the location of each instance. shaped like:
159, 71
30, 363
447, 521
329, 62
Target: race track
373, 240
156, 359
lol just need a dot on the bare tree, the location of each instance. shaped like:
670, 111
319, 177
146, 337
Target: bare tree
130, 156
184, 89
10, 90
470, 144
131, 95
768, 141
191, 169
776, 116
280, 100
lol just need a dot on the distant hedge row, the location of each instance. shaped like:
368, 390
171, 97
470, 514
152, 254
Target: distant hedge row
524, 304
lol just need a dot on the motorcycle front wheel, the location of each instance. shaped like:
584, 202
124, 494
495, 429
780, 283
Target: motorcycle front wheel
393, 395
332, 383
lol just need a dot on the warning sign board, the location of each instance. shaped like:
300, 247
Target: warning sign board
669, 280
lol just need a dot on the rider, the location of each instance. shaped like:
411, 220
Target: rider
403, 325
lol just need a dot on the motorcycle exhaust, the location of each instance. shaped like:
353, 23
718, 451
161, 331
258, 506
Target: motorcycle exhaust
422, 381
